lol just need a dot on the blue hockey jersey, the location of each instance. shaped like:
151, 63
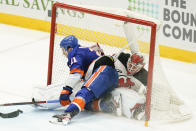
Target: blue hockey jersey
80, 58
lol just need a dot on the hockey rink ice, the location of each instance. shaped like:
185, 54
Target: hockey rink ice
23, 65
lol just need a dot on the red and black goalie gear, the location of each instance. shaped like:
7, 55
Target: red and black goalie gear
125, 81
65, 94
135, 63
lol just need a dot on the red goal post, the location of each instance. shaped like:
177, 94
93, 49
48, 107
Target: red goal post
155, 97
112, 16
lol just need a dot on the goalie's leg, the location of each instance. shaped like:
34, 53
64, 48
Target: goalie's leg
47, 93
130, 99
130, 104
121, 101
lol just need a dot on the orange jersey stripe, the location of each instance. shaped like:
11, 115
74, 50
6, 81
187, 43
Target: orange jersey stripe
65, 92
80, 102
78, 71
65, 102
94, 76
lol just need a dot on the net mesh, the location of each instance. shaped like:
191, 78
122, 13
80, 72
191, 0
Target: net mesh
91, 29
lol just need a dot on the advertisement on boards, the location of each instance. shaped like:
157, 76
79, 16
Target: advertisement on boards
178, 16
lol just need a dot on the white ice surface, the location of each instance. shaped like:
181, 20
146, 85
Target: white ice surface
23, 65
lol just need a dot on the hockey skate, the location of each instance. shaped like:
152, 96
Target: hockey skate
112, 104
138, 113
62, 119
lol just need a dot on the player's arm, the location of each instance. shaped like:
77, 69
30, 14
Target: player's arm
129, 31
73, 79
76, 71
142, 76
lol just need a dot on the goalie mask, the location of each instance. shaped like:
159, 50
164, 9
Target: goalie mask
134, 64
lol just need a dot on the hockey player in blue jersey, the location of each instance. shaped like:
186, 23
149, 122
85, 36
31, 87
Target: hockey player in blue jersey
102, 78
126, 64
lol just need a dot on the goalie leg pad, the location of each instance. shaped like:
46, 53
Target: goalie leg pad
129, 99
45, 93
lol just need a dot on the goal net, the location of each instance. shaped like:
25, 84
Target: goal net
101, 25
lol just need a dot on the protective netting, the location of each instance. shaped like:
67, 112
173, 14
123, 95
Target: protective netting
91, 29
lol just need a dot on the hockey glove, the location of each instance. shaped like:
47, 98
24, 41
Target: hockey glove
65, 94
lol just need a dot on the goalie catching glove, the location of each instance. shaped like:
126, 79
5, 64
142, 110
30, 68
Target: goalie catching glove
65, 94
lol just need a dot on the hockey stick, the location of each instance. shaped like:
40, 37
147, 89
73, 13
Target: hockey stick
11, 114
28, 103
17, 112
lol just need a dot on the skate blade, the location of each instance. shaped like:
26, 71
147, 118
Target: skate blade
63, 122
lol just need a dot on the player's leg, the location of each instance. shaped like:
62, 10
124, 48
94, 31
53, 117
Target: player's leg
96, 86
99, 83
132, 103
108, 103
